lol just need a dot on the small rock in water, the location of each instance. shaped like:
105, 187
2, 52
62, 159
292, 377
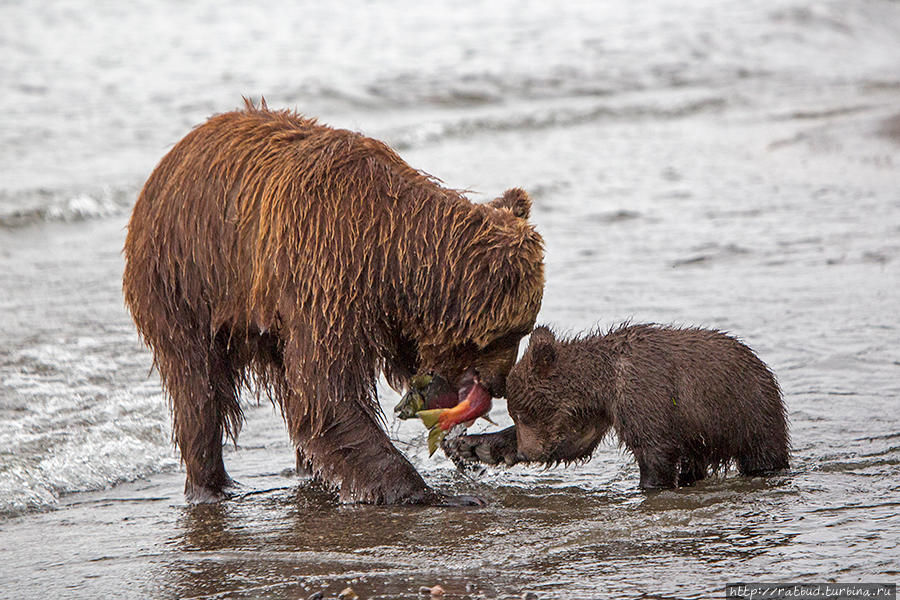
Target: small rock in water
348, 594
529, 596
431, 591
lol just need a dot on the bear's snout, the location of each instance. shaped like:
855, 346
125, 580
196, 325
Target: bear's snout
529, 444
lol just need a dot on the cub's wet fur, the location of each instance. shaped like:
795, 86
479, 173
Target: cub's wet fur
684, 401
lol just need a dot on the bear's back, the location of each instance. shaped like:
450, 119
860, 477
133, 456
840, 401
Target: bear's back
700, 382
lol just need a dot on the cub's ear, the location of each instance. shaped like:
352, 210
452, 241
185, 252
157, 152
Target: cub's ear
542, 348
516, 200
542, 332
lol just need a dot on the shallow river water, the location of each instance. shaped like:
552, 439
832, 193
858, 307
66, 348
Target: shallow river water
725, 164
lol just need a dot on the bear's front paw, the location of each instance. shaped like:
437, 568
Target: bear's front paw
489, 448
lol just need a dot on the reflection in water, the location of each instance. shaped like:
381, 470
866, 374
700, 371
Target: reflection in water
206, 527
298, 540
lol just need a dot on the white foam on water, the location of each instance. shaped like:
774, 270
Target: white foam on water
69, 427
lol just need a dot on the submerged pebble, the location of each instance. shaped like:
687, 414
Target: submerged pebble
431, 591
348, 594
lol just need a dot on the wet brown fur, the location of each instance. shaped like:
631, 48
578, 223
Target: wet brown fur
684, 401
268, 249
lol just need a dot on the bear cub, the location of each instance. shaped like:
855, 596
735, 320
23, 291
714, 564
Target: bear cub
682, 400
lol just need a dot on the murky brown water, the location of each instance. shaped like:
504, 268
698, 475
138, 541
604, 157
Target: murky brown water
714, 164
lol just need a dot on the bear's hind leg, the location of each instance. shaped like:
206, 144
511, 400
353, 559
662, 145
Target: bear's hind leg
201, 381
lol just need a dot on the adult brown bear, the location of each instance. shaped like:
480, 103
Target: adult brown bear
268, 249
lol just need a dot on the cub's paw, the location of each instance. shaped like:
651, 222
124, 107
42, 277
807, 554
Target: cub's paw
489, 448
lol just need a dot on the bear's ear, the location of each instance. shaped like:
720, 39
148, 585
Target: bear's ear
542, 348
515, 200
542, 332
